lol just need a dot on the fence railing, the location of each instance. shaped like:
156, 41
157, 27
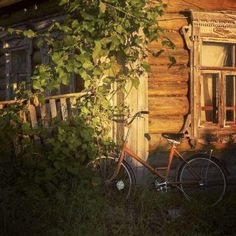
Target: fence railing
41, 114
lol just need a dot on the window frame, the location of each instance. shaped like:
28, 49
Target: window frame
11, 45
215, 27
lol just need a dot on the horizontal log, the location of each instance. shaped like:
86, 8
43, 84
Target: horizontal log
167, 88
161, 124
164, 73
180, 5
181, 56
158, 143
175, 106
170, 21
174, 36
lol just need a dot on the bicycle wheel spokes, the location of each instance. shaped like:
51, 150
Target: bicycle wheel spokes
202, 180
119, 187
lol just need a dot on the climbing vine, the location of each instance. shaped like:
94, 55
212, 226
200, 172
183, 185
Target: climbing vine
104, 43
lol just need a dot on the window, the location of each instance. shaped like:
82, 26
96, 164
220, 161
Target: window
217, 83
17, 53
211, 39
19, 56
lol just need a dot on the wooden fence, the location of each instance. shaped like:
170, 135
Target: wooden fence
41, 114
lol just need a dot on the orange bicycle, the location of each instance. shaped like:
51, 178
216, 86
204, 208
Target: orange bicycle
200, 178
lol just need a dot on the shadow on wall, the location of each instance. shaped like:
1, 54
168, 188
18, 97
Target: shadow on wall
224, 149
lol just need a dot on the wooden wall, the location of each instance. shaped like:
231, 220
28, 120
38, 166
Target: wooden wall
168, 88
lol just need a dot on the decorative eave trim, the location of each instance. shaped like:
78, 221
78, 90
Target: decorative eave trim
216, 26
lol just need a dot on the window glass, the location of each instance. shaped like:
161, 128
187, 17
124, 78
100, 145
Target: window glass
18, 61
209, 97
230, 81
217, 54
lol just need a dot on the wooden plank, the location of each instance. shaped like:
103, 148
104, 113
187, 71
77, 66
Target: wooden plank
168, 106
64, 109
178, 73
44, 115
73, 102
142, 94
172, 35
113, 124
181, 5
4, 3
181, 56
33, 116
68, 95
167, 88
172, 21
23, 116
158, 143
53, 108
161, 124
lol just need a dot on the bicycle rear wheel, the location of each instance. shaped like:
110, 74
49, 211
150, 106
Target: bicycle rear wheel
122, 186
202, 179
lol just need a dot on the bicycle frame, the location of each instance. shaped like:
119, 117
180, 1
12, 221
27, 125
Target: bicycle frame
125, 151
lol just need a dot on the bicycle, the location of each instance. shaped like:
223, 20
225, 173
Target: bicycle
200, 177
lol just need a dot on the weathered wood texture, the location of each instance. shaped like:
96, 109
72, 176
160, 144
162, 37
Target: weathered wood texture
172, 106
157, 88
17, 13
176, 73
172, 21
37, 114
168, 87
181, 5
4, 3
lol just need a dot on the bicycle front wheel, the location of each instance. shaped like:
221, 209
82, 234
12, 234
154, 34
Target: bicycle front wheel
202, 179
122, 185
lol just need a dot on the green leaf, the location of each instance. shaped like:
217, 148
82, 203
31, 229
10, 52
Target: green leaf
63, 2
158, 53
97, 50
119, 29
102, 7
135, 82
172, 61
29, 33
168, 43
75, 24
146, 66
10, 30
87, 65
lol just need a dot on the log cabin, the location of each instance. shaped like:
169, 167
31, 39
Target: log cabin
200, 87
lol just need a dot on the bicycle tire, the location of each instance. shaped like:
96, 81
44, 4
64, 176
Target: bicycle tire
124, 183
202, 179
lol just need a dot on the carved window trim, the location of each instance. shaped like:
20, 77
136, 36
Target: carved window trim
216, 27
11, 45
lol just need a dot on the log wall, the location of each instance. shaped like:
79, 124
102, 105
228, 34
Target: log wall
168, 88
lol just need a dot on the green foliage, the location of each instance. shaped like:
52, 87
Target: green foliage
102, 41
45, 187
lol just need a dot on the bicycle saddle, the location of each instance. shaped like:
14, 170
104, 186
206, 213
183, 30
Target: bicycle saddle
176, 137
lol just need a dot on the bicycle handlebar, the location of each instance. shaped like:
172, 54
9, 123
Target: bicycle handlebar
138, 114
125, 121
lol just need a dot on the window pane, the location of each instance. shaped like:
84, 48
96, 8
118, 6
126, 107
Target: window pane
209, 98
217, 54
230, 97
18, 61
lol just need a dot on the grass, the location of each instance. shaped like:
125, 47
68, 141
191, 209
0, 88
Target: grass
148, 213
83, 210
